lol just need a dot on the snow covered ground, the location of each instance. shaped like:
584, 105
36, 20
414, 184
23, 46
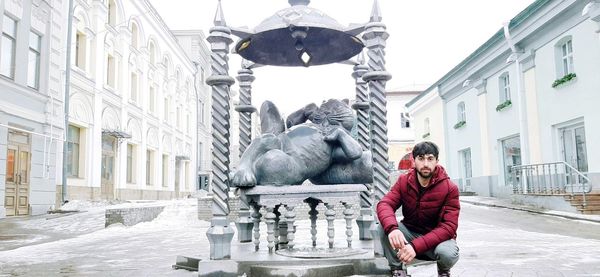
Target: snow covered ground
81, 246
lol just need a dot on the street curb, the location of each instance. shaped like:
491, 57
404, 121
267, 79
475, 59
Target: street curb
529, 210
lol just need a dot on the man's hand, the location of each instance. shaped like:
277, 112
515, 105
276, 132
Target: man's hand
397, 240
407, 254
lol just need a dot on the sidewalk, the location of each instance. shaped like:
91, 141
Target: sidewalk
509, 204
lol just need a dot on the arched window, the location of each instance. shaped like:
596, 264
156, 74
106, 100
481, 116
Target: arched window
504, 84
462, 116
134, 35
564, 57
152, 52
112, 13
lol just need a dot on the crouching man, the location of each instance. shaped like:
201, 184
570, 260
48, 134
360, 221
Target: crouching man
430, 207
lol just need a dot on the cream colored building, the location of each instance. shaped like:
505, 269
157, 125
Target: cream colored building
427, 112
400, 125
133, 105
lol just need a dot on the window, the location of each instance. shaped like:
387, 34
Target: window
134, 88
200, 161
131, 151
201, 111
80, 50
567, 57
186, 173
33, 69
112, 13
467, 169
504, 87
166, 110
134, 35
178, 117
152, 50
165, 170
404, 120
111, 71
73, 142
9, 40
187, 123
426, 127
149, 167
151, 100
461, 112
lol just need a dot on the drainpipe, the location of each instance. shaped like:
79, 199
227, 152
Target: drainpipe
66, 103
196, 65
523, 137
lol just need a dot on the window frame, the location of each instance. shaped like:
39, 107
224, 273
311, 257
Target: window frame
504, 84
461, 112
73, 162
38, 53
12, 37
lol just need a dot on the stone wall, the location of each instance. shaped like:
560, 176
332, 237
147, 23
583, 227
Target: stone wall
131, 216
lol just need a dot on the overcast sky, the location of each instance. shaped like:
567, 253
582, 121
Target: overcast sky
427, 39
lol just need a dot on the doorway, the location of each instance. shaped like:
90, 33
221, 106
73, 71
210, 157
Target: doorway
108, 166
18, 167
574, 152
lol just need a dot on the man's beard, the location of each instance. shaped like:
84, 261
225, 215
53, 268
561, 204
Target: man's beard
425, 176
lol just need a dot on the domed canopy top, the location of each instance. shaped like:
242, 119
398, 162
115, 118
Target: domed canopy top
299, 36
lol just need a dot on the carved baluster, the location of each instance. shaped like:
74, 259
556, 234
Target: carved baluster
348, 214
290, 218
330, 216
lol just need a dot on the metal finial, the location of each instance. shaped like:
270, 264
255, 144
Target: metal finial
219, 16
376, 12
299, 2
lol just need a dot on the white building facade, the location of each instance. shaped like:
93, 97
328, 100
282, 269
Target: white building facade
534, 103
32, 58
133, 113
193, 43
427, 113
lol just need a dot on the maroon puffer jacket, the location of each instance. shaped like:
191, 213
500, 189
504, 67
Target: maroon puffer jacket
433, 214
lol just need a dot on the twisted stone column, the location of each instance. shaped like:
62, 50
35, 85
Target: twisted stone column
375, 37
245, 78
220, 233
365, 219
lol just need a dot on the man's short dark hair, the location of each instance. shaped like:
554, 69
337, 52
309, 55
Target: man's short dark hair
425, 148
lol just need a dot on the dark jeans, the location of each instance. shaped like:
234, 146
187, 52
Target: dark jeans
445, 254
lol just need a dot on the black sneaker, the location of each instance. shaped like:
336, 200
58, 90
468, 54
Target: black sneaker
443, 273
399, 273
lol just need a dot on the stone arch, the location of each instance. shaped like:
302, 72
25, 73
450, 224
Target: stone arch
135, 129
81, 108
110, 119
82, 18
152, 137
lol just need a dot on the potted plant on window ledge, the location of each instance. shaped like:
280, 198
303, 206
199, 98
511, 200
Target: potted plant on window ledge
565, 79
504, 105
460, 124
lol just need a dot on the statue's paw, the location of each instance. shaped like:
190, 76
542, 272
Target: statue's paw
243, 178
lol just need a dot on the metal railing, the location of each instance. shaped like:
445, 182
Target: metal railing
550, 179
